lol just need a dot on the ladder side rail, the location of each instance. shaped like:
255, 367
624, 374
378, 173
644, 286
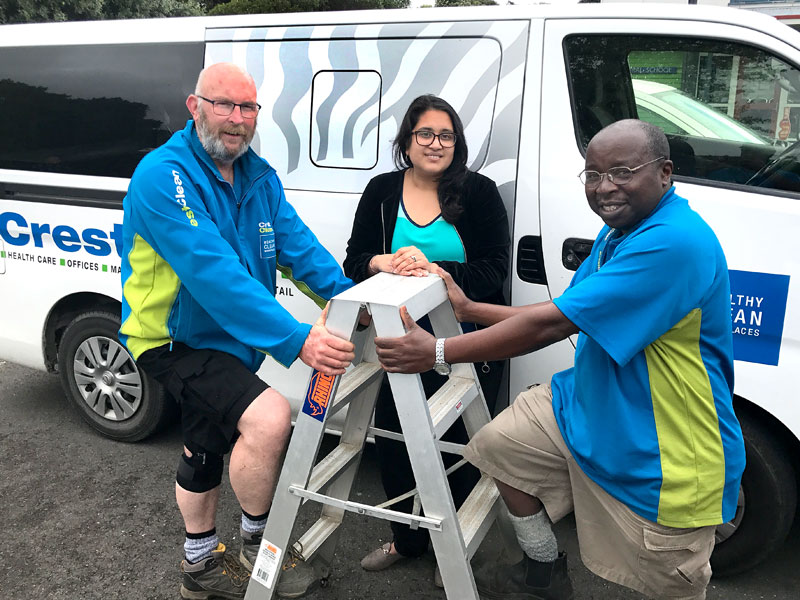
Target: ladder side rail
445, 324
475, 416
303, 448
427, 465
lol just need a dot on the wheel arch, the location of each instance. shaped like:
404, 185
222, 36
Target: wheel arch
763, 519
62, 314
744, 408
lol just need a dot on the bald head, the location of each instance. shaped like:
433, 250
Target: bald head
222, 75
653, 138
642, 152
222, 91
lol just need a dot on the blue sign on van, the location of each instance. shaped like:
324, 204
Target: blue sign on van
758, 306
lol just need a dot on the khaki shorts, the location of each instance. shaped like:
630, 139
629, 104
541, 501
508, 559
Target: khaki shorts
523, 448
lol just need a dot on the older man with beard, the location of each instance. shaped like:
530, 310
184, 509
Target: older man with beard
205, 223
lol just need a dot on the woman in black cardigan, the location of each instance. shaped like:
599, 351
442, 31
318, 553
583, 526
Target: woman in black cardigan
431, 210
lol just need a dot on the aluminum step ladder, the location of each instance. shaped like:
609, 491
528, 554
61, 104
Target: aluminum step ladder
455, 535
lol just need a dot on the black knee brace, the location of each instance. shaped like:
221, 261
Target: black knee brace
200, 472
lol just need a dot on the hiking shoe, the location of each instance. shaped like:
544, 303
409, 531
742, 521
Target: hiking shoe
527, 580
251, 542
380, 558
218, 576
297, 577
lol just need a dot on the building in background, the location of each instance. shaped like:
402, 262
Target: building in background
786, 11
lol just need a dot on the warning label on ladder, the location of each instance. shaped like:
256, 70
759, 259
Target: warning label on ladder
267, 563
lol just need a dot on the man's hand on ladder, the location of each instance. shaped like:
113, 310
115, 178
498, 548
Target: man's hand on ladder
415, 352
324, 351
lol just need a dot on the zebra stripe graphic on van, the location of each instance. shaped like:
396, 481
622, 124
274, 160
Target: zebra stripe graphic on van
339, 92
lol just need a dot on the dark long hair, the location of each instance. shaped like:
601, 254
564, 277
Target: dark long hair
452, 180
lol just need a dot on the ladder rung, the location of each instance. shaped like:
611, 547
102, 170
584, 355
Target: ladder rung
331, 466
449, 401
320, 531
448, 447
366, 509
474, 514
353, 382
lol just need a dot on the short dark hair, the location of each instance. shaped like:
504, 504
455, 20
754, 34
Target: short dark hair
657, 144
452, 180
655, 140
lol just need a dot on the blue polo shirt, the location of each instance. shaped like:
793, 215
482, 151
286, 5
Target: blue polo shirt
647, 409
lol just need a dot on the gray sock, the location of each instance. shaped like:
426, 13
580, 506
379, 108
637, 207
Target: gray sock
536, 537
196, 549
253, 525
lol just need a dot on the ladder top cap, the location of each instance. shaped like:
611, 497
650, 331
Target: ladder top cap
393, 290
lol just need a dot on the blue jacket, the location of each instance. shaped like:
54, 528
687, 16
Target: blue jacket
200, 256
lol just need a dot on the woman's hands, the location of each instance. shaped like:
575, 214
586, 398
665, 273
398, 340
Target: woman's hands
408, 261
380, 262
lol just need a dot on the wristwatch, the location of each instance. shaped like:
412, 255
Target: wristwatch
440, 365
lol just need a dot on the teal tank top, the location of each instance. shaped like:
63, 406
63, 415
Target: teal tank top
438, 240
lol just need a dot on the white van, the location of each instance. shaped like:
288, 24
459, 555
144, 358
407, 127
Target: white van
82, 103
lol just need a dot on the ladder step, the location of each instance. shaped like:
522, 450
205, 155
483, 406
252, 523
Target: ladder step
477, 513
449, 401
316, 535
353, 382
332, 465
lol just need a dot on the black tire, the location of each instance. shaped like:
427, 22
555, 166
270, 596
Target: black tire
119, 400
767, 503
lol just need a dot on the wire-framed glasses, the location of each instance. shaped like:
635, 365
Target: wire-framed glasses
425, 138
223, 108
616, 175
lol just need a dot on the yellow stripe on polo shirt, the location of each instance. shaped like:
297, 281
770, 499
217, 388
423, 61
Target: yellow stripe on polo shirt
692, 456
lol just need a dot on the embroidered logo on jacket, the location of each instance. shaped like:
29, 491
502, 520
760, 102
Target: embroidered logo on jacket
266, 239
180, 198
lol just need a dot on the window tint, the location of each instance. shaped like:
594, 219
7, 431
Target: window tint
731, 112
92, 110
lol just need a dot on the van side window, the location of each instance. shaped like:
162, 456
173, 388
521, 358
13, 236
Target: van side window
731, 112
333, 139
92, 110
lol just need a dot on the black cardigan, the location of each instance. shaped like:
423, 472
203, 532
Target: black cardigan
482, 226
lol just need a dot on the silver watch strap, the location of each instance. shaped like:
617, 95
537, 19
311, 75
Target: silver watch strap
440, 351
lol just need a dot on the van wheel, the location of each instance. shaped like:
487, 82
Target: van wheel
104, 383
766, 507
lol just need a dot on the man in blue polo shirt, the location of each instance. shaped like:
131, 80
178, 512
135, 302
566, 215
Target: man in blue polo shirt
639, 438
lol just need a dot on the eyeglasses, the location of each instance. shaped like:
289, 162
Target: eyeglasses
425, 138
223, 108
616, 175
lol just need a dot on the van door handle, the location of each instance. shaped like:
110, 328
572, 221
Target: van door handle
575, 251
530, 260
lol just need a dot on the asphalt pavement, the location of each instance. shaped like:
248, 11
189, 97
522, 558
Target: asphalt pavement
85, 517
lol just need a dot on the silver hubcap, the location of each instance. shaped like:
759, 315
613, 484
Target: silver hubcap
726, 530
107, 378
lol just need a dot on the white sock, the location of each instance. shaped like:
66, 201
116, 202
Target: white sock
536, 537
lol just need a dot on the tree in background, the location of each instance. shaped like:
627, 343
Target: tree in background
238, 7
465, 3
37, 11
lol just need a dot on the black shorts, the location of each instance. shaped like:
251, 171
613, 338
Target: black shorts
213, 389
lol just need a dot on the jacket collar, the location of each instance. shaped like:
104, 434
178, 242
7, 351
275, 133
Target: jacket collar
251, 165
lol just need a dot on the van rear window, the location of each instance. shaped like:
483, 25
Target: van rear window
92, 109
